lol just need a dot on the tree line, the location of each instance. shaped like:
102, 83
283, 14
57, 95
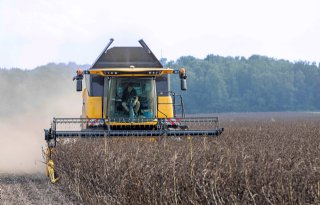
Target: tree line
215, 84
33, 90
257, 83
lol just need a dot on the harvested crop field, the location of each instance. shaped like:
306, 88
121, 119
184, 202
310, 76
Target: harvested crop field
27, 189
260, 158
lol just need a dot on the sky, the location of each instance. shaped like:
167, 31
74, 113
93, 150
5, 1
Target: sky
36, 32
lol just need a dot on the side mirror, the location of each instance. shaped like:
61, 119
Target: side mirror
79, 85
183, 78
79, 78
183, 84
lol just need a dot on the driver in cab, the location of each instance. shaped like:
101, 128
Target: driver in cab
130, 96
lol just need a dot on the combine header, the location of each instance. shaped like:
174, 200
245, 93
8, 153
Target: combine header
128, 94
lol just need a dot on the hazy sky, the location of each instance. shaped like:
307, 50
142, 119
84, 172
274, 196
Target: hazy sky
36, 32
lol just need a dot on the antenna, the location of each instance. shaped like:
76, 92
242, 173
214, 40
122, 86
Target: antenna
144, 45
103, 51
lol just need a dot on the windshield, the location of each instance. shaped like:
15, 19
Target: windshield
132, 98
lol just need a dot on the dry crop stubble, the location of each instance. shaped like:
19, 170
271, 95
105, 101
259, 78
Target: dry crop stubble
255, 161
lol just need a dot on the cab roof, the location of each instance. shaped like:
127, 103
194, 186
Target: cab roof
125, 57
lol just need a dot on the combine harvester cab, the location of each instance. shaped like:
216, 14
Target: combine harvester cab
127, 94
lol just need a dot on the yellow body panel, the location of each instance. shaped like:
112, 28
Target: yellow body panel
92, 106
165, 107
134, 72
154, 122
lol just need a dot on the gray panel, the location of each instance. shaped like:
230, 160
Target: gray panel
105, 97
123, 57
96, 85
162, 84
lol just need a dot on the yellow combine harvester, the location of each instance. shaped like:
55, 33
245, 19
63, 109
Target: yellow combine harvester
128, 94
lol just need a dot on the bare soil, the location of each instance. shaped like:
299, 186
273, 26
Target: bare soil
32, 189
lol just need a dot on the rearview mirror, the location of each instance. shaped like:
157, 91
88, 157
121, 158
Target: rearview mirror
183, 78
183, 84
79, 85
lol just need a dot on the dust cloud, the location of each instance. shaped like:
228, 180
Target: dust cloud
22, 135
